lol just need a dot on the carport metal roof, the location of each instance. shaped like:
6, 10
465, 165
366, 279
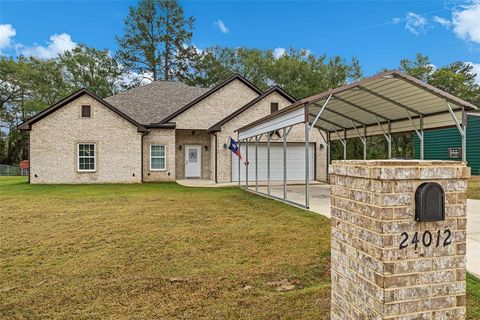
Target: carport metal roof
388, 102
387, 98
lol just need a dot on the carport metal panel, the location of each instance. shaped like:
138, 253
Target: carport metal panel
379, 101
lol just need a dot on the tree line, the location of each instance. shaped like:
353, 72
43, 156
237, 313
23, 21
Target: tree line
157, 45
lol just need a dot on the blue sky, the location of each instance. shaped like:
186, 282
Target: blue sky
378, 33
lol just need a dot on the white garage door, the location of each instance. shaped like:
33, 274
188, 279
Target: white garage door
295, 162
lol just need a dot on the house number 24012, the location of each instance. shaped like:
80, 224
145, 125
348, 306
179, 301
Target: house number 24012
427, 239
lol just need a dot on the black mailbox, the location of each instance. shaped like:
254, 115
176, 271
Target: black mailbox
430, 202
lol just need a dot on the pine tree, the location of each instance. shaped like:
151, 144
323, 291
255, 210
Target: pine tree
157, 40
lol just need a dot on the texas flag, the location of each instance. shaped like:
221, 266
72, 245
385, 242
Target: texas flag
235, 149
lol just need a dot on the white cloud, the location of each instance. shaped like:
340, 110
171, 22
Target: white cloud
466, 22
58, 43
396, 20
7, 32
476, 69
279, 52
221, 26
132, 77
442, 21
415, 23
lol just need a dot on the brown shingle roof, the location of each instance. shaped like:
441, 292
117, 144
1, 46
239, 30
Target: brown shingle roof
153, 102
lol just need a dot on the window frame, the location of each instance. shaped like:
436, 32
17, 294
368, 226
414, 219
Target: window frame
89, 111
94, 157
458, 150
271, 105
159, 157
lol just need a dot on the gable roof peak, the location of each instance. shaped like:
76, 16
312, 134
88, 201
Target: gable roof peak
218, 126
28, 124
217, 87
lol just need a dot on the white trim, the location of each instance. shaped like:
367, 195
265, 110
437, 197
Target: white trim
287, 119
159, 157
94, 157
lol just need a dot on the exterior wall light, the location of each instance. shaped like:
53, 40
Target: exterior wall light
206, 148
321, 146
180, 147
225, 146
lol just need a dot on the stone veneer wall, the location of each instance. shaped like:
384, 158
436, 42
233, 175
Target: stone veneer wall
215, 107
200, 138
167, 138
373, 203
54, 140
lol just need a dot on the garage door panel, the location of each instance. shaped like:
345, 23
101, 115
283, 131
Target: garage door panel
295, 165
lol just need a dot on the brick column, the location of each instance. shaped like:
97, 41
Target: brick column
386, 265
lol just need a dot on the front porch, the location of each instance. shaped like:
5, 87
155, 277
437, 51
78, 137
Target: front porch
193, 154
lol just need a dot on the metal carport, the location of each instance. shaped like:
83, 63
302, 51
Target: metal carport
386, 103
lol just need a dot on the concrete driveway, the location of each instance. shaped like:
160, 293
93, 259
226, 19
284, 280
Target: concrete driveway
473, 237
320, 203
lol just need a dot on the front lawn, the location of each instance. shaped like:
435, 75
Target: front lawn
162, 251
473, 188
158, 251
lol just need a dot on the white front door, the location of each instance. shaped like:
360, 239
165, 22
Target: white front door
193, 161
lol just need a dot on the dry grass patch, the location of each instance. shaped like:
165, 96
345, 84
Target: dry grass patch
162, 251
158, 251
473, 188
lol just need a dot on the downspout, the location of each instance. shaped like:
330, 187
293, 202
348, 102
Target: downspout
141, 153
29, 160
216, 157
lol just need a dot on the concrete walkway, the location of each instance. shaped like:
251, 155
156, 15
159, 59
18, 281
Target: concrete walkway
320, 203
473, 237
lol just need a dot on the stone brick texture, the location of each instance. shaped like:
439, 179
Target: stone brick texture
54, 140
160, 137
215, 107
372, 203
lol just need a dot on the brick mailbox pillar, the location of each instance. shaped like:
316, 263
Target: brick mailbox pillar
385, 263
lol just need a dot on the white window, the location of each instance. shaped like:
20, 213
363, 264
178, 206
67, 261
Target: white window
454, 153
157, 157
86, 157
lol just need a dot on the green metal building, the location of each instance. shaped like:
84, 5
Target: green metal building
446, 143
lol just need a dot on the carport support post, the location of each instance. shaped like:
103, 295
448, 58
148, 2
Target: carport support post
464, 136
422, 140
462, 128
328, 156
239, 165
256, 163
268, 162
345, 144
389, 140
307, 164
284, 163
364, 142
246, 163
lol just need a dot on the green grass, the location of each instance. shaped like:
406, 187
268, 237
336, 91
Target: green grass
161, 251
473, 188
157, 251
473, 297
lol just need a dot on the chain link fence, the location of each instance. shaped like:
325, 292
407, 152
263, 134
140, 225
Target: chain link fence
6, 170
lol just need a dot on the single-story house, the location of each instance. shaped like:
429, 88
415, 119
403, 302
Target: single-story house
162, 131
